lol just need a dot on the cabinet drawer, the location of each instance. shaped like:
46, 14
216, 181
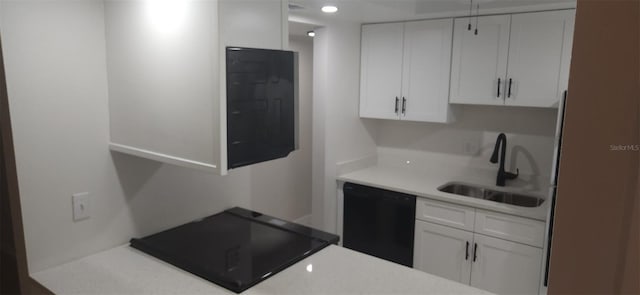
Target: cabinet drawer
445, 213
508, 227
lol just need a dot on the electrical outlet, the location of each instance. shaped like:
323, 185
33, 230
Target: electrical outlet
81, 206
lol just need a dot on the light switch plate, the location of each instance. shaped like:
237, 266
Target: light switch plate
81, 206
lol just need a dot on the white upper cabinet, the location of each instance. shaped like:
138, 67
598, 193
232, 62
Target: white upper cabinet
516, 60
405, 71
426, 70
479, 63
539, 54
381, 70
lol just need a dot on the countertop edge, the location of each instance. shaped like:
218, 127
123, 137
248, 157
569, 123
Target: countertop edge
538, 213
124, 270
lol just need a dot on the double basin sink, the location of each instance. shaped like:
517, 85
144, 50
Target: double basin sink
488, 194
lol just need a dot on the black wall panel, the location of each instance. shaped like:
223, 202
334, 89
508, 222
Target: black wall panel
260, 105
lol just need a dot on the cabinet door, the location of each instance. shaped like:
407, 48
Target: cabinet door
426, 70
478, 61
505, 267
442, 251
381, 70
539, 53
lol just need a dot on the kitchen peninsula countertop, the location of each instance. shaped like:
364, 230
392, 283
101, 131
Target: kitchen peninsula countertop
333, 270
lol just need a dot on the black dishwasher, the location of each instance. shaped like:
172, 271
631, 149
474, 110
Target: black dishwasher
379, 223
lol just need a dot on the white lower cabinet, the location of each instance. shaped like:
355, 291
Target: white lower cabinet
505, 267
470, 256
443, 251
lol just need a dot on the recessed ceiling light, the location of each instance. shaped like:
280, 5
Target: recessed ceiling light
329, 9
311, 34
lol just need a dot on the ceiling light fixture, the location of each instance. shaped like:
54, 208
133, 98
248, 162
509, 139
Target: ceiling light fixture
477, 16
329, 9
311, 34
470, 13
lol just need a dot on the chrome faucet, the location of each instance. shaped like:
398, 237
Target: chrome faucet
501, 144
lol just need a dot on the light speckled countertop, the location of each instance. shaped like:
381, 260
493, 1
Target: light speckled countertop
334, 270
425, 184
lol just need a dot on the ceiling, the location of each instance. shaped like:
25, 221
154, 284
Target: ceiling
368, 11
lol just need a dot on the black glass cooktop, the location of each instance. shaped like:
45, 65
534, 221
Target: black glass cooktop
235, 249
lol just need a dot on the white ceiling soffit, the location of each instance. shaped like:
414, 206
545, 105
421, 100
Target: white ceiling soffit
370, 11
300, 29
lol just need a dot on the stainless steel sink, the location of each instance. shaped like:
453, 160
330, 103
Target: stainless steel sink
491, 195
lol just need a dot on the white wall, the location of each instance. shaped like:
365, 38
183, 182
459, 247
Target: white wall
337, 127
55, 62
284, 187
161, 79
54, 56
166, 70
470, 140
320, 53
